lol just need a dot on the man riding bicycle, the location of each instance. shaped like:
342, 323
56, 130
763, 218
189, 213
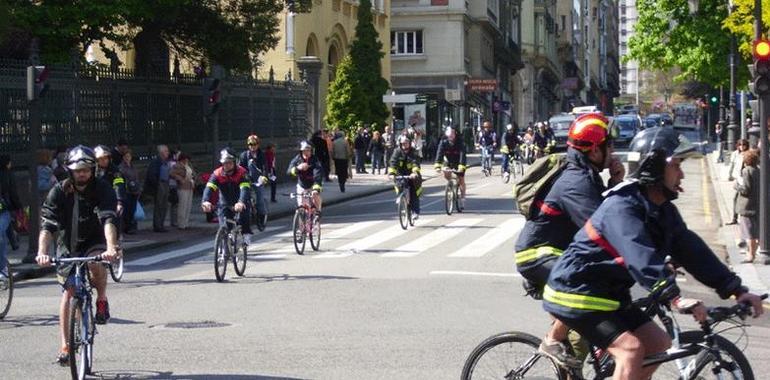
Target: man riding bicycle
91, 202
453, 150
508, 146
406, 163
106, 169
309, 172
572, 198
626, 241
232, 182
544, 139
253, 160
487, 142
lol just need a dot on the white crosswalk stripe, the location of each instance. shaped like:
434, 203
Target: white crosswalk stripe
492, 239
432, 239
368, 242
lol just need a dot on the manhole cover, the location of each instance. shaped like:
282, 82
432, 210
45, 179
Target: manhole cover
192, 325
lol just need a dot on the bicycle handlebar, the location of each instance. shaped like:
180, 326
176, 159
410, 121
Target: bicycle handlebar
721, 313
305, 194
65, 260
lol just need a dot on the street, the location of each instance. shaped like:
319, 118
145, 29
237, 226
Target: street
376, 302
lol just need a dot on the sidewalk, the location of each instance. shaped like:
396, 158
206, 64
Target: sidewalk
756, 276
359, 186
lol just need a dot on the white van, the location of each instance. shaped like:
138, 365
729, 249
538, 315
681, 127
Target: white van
585, 109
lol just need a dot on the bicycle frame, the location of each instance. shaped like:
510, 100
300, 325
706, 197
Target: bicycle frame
307, 206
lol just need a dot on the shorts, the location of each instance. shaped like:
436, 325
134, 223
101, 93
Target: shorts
749, 227
65, 274
602, 328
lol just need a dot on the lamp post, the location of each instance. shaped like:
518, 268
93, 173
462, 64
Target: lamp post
732, 127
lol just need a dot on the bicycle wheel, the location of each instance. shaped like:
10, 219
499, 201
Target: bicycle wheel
457, 199
731, 363
449, 201
315, 233
510, 355
221, 254
79, 342
261, 222
298, 226
403, 211
240, 256
116, 270
6, 293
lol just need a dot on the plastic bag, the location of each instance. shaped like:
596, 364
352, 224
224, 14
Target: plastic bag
139, 213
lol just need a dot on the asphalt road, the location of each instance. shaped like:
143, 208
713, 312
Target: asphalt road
376, 302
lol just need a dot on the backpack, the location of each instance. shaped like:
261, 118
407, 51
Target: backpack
537, 181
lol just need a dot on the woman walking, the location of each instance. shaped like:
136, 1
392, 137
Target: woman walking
133, 191
377, 150
183, 174
747, 206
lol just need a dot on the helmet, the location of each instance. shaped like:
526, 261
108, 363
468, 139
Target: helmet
252, 139
101, 151
304, 145
652, 148
509, 127
404, 139
227, 154
588, 131
449, 132
81, 157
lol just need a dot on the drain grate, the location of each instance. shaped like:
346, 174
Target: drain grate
192, 325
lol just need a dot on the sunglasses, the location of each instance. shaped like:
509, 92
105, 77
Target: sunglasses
253, 144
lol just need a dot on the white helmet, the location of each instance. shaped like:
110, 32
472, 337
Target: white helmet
509, 127
449, 132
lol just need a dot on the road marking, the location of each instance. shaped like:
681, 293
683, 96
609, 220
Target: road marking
432, 239
705, 192
491, 239
468, 191
350, 229
464, 273
172, 254
508, 193
369, 242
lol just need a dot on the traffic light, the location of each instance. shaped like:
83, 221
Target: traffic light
761, 50
713, 100
213, 95
37, 82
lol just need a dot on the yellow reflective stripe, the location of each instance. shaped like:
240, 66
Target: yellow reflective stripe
461, 167
391, 170
415, 169
294, 171
579, 301
419, 191
317, 187
437, 165
118, 180
533, 254
212, 186
244, 184
661, 283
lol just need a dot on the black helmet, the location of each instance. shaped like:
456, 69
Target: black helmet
227, 154
101, 151
652, 148
81, 157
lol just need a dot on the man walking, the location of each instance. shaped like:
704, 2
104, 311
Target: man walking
157, 183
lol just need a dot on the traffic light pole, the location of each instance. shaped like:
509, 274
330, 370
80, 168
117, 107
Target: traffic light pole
732, 127
764, 186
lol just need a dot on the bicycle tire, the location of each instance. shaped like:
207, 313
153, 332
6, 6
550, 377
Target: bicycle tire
78, 342
315, 233
298, 230
727, 351
457, 199
404, 216
449, 199
261, 222
520, 344
6, 293
221, 254
116, 270
240, 257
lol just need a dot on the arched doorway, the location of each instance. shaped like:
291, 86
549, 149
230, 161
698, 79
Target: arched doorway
311, 50
333, 59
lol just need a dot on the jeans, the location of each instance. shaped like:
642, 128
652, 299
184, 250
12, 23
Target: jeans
377, 161
260, 199
161, 206
5, 222
360, 160
505, 157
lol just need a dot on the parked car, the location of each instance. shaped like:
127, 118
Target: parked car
658, 120
560, 125
627, 126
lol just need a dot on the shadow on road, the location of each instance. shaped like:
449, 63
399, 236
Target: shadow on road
284, 277
162, 375
11, 321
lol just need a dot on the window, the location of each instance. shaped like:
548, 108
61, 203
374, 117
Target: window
406, 42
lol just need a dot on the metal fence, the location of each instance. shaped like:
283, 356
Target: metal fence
95, 105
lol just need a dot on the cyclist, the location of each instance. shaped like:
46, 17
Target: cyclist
92, 203
306, 167
232, 182
454, 150
543, 139
487, 142
405, 162
106, 169
253, 160
572, 198
508, 145
625, 242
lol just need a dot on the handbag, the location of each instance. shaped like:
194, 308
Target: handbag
173, 196
139, 212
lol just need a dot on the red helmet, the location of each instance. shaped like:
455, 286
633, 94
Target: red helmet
588, 131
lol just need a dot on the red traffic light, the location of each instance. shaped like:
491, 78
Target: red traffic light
761, 49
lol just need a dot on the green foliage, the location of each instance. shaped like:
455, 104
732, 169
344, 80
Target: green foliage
356, 93
741, 22
231, 33
668, 36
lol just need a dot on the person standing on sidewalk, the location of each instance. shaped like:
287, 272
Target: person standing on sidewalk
156, 183
9, 203
360, 144
341, 154
183, 174
747, 206
270, 169
133, 191
376, 150
736, 166
389, 138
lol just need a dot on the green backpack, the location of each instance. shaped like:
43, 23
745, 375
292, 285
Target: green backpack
537, 181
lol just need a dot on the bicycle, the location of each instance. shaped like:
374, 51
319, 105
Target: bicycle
705, 347
306, 223
6, 292
486, 160
81, 328
230, 244
259, 220
404, 201
515, 167
451, 196
116, 269
529, 153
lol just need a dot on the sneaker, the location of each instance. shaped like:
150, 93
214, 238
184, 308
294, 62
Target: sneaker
560, 354
247, 238
102, 312
462, 203
63, 359
415, 216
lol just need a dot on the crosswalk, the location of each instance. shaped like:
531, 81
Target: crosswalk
463, 236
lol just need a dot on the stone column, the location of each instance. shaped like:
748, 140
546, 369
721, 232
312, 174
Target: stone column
311, 67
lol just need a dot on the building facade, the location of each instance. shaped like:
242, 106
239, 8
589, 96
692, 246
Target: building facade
630, 76
541, 77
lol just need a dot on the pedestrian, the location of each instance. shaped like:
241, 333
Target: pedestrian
376, 151
321, 151
389, 138
9, 203
183, 174
720, 137
156, 183
360, 145
173, 190
59, 167
270, 169
133, 191
45, 177
118, 151
736, 165
341, 154
747, 186
329, 139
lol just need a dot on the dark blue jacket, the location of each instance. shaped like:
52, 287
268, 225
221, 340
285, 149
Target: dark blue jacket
625, 242
254, 164
310, 178
454, 153
232, 188
112, 175
574, 196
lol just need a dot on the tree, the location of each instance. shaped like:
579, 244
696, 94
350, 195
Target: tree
741, 22
231, 33
363, 80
